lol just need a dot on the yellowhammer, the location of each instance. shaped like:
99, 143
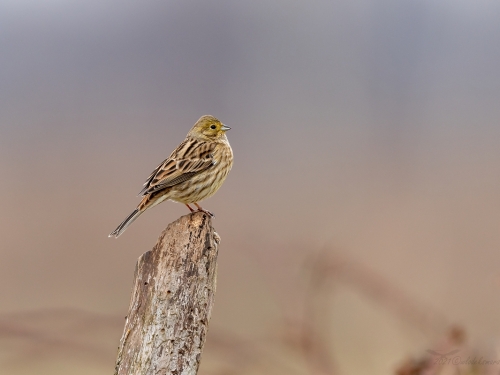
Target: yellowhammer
195, 170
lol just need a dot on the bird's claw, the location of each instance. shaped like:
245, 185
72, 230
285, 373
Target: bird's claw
207, 212
200, 209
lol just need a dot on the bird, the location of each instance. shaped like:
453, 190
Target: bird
194, 171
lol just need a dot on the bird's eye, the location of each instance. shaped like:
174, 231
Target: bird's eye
213, 127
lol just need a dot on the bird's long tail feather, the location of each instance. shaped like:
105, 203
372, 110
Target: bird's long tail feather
129, 220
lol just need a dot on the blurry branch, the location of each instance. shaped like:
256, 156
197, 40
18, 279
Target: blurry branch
343, 270
171, 302
328, 270
316, 351
305, 347
43, 333
439, 360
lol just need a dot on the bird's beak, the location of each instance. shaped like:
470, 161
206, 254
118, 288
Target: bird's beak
225, 128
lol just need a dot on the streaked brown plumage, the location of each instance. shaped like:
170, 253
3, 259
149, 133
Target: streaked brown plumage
194, 171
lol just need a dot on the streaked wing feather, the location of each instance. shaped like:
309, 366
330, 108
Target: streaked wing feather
175, 181
180, 166
151, 177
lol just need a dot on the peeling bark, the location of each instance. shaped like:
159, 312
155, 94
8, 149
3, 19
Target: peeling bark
171, 302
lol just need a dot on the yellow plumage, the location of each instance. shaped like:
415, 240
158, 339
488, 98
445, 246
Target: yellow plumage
194, 171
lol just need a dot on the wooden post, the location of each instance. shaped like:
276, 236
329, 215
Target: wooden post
171, 302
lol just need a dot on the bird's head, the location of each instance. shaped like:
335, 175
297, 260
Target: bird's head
208, 128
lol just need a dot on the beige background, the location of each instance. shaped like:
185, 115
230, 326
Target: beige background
368, 130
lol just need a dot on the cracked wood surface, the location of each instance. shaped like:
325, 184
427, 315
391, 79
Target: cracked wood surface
171, 301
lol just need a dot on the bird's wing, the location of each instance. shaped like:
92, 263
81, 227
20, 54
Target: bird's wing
190, 158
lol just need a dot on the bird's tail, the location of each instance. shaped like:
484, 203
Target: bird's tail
129, 220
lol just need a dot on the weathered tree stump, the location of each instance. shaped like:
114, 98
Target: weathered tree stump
171, 302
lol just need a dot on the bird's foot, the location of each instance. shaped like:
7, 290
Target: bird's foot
205, 211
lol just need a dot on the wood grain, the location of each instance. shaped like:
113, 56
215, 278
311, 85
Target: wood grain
171, 301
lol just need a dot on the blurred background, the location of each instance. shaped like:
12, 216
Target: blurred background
359, 225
